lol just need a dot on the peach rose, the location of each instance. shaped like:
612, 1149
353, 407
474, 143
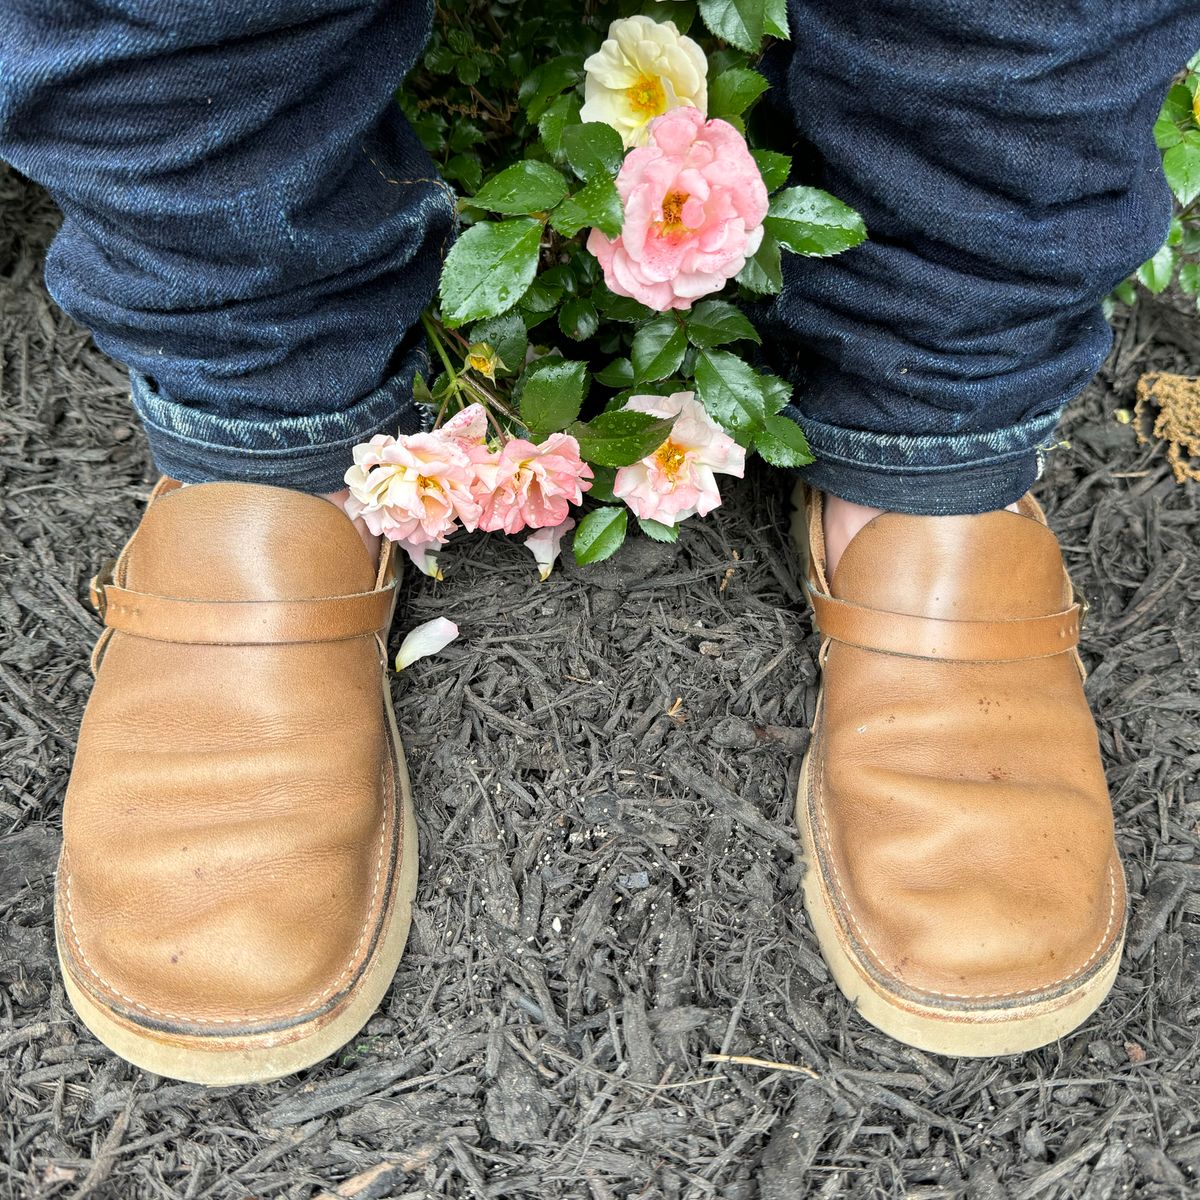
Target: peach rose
413, 489
528, 486
694, 203
678, 480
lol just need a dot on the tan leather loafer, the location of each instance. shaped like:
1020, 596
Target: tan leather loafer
962, 878
239, 850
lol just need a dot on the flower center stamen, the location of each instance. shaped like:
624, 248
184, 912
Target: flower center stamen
672, 213
647, 97
671, 459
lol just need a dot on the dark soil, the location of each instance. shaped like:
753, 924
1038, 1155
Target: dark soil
604, 768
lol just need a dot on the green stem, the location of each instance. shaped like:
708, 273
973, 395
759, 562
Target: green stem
431, 330
491, 400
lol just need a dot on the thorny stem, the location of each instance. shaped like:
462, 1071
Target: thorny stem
460, 382
485, 393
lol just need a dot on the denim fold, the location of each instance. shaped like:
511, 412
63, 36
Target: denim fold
308, 453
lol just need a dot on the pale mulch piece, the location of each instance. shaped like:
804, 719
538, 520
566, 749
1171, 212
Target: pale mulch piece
604, 767
1177, 422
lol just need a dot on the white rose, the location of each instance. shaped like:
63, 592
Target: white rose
644, 69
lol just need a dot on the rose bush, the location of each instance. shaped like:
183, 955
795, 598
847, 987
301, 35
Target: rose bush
1177, 134
594, 360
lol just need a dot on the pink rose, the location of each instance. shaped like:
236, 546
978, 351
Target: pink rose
531, 486
413, 489
677, 480
694, 207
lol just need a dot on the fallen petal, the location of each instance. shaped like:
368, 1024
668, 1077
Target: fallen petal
544, 545
425, 640
424, 557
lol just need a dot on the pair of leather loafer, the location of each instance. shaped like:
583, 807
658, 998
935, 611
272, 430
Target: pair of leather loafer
240, 855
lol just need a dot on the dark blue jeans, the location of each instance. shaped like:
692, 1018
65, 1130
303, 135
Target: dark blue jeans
1001, 153
252, 228
249, 222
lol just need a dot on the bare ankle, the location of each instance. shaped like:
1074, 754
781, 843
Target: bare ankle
842, 519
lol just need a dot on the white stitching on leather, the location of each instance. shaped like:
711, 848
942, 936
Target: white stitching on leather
879, 962
190, 1017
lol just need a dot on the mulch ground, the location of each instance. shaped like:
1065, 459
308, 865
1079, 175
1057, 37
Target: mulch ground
604, 768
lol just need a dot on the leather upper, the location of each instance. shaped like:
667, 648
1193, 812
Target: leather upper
230, 827
956, 790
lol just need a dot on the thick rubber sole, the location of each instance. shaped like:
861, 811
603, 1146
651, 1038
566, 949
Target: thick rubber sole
261, 1057
961, 1032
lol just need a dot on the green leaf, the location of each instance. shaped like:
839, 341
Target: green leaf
430, 128
541, 87
1155, 273
715, 322
603, 479
596, 203
600, 534
733, 91
465, 169
593, 149
489, 268
764, 272
578, 319
420, 390
525, 187
658, 531
782, 443
507, 337
464, 135
621, 308
1182, 166
556, 120
775, 19
1166, 133
542, 298
1177, 105
440, 60
738, 22
809, 221
1125, 292
616, 439
617, 374
776, 392
773, 166
1189, 278
550, 393
658, 348
732, 393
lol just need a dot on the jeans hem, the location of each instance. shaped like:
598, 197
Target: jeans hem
306, 453
926, 475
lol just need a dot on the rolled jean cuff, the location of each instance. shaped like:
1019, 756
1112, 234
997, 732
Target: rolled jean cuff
926, 475
306, 453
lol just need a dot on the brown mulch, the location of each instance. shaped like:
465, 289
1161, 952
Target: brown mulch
604, 768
